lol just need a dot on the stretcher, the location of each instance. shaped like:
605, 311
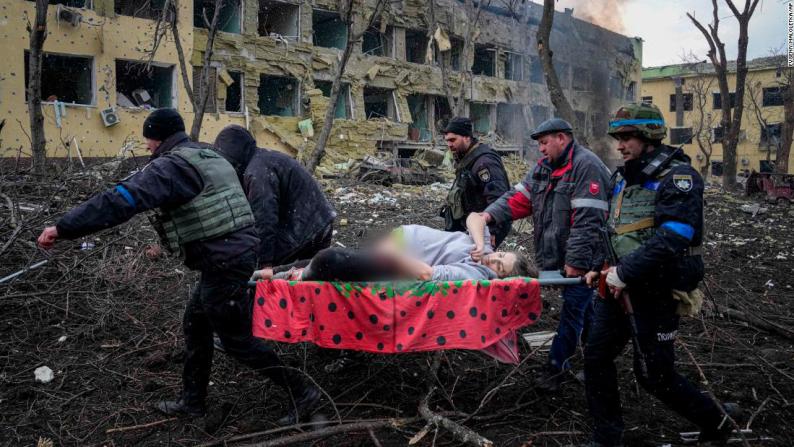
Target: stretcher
398, 317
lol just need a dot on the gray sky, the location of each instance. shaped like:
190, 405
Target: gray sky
668, 33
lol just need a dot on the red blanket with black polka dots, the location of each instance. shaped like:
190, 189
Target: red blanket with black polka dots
400, 316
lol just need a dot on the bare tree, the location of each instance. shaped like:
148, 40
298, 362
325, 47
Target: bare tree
38, 34
347, 11
700, 86
169, 21
546, 55
731, 125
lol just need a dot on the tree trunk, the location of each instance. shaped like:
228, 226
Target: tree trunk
200, 103
787, 129
328, 121
38, 34
552, 81
346, 10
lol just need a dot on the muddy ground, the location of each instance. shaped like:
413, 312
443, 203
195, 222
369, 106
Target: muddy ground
107, 321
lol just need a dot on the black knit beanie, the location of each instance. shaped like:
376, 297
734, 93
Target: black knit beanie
459, 125
162, 123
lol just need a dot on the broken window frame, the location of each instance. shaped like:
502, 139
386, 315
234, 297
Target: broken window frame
212, 103
679, 135
174, 83
392, 110
296, 111
151, 12
716, 100
415, 122
516, 112
717, 134
773, 96
298, 16
689, 101
631, 91
716, 168
221, 24
92, 60
536, 75
344, 90
563, 73
769, 133
422, 55
490, 49
647, 99
476, 121
319, 11
388, 37
241, 86
515, 60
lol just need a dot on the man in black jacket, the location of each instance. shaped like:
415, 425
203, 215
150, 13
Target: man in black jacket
293, 218
480, 179
204, 216
656, 214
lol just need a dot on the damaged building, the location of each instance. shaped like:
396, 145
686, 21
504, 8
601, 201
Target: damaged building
275, 61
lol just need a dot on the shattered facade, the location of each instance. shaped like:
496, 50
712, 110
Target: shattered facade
275, 60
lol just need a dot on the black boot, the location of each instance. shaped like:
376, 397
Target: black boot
721, 434
304, 396
550, 379
179, 406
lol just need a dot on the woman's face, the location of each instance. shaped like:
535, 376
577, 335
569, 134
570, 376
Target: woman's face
501, 262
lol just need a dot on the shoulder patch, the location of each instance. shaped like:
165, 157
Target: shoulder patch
484, 174
594, 187
683, 182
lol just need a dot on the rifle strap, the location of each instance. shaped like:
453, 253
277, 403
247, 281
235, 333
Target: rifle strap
638, 225
618, 204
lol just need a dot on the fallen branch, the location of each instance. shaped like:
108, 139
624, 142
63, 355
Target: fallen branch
713, 397
304, 438
755, 321
136, 427
461, 433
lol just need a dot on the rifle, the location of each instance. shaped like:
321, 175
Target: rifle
612, 260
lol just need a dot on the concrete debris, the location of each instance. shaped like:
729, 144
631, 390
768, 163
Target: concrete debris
442, 39
44, 374
754, 209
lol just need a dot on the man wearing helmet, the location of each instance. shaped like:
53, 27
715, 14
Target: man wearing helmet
656, 213
566, 194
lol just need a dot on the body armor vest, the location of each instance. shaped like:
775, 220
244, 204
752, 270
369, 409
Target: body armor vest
633, 209
220, 208
460, 199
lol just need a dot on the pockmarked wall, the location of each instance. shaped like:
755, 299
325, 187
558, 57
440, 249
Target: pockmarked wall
281, 57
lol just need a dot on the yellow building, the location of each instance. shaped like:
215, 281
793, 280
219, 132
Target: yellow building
273, 65
694, 119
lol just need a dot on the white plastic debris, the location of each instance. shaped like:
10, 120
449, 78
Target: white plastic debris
87, 245
769, 284
44, 374
62, 339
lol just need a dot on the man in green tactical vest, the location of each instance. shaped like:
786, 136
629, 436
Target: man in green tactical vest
204, 216
656, 215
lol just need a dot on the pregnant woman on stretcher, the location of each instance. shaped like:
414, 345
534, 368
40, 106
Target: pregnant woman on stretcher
412, 252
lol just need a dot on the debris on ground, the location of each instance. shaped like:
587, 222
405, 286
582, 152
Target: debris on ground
119, 316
